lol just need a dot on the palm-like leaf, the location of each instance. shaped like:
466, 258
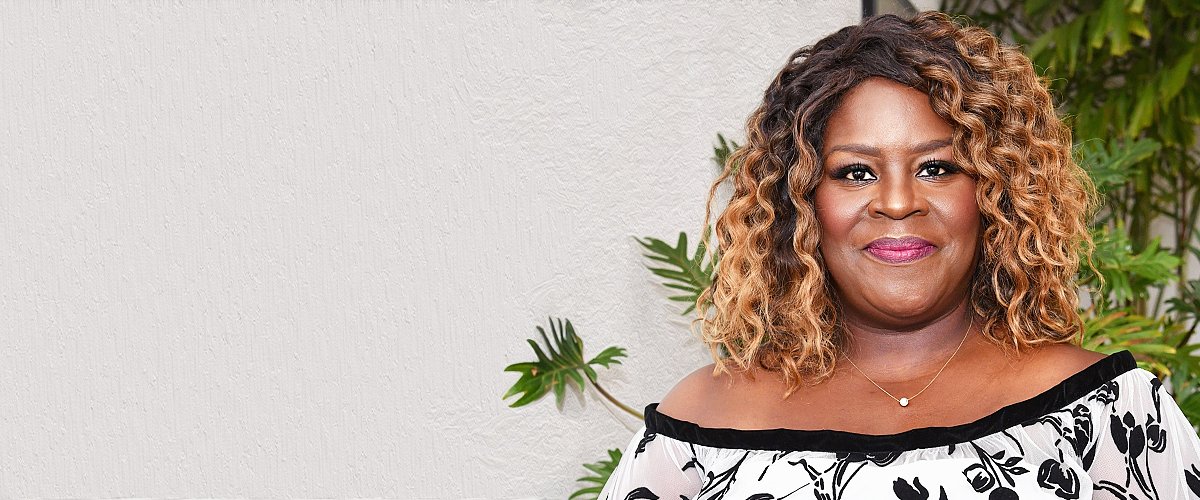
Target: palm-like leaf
682, 272
560, 364
1128, 275
1186, 307
1184, 366
600, 473
722, 151
1191, 406
1109, 165
1122, 330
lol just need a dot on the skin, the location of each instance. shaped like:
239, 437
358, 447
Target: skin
888, 172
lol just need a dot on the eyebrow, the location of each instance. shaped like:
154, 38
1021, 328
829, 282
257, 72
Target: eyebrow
922, 148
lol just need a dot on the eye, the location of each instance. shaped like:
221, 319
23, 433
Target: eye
937, 168
854, 173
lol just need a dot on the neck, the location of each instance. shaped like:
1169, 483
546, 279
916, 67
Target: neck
903, 353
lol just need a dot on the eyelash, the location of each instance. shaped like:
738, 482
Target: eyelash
947, 167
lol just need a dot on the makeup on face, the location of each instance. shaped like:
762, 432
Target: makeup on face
900, 250
898, 218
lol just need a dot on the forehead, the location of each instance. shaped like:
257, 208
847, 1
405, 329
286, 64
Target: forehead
884, 114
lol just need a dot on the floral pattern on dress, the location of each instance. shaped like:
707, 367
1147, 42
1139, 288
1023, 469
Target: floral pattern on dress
1125, 439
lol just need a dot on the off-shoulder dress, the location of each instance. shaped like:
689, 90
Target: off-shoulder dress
1110, 431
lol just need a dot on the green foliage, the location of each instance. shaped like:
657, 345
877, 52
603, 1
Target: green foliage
1121, 330
1083, 44
1109, 163
563, 365
1128, 275
1182, 368
1191, 407
1121, 68
1186, 306
600, 473
688, 274
722, 150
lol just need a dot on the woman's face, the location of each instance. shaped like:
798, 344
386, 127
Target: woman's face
899, 222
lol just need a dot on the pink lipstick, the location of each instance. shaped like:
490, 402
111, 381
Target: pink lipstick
900, 250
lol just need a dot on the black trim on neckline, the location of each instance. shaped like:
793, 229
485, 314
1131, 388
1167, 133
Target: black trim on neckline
1055, 398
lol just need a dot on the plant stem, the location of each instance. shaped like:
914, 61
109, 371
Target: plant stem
1188, 336
1186, 234
616, 403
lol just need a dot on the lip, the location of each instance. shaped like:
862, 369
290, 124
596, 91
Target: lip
900, 250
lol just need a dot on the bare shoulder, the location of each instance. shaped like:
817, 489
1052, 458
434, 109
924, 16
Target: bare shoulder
1051, 364
693, 393
705, 397
1066, 359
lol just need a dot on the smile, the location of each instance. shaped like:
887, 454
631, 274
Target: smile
900, 250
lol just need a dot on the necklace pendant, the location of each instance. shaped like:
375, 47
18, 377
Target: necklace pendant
903, 401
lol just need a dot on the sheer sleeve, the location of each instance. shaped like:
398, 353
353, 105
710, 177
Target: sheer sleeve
1145, 447
654, 467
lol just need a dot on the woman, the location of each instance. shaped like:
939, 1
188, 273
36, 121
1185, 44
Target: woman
906, 203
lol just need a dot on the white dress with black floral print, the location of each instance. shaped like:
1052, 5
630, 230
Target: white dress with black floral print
1108, 432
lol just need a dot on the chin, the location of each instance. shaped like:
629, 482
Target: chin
904, 309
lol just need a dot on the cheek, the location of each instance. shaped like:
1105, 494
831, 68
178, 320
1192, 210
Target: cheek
836, 214
960, 214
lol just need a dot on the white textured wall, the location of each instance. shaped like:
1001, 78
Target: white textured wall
276, 249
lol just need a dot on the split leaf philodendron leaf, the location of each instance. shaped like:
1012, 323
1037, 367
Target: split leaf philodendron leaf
600, 473
559, 364
685, 272
722, 152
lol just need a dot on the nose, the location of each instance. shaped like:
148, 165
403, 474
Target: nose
898, 197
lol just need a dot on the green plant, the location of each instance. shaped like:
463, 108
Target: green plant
1122, 277
1119, 67
689, 274
560, 364
600, 472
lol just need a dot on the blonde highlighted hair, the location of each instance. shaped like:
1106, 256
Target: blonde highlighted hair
772, 304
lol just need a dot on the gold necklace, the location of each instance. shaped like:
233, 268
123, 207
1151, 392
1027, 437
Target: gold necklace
904, 401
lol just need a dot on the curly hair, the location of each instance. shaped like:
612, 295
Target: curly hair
771, 301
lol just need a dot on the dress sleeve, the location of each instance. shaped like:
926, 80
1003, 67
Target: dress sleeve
654, 466
1145, 446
